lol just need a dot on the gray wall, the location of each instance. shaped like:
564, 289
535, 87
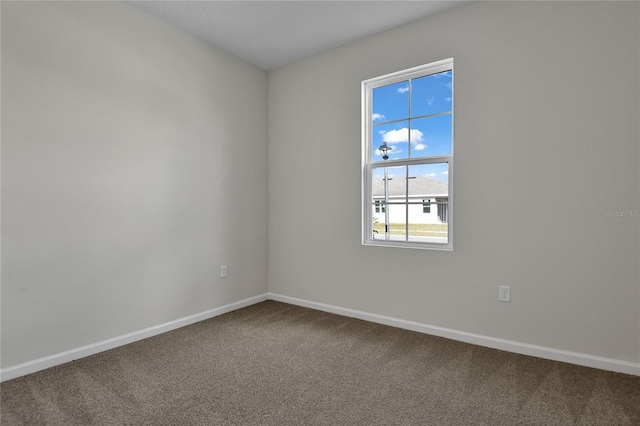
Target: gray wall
546, 140
133, 166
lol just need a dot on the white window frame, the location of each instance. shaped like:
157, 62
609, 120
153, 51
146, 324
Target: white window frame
368, 163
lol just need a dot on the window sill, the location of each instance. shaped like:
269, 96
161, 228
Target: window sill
408, 245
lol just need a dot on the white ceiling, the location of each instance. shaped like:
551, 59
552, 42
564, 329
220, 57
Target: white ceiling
270, 34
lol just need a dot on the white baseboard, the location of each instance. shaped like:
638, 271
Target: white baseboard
601, 363
476, 339
84, 351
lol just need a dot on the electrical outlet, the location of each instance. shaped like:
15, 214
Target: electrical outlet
504, 294
223, 271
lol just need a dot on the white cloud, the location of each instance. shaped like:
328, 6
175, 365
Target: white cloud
403, 89
449, 85
446, 172
430, 101
420, 147
376, 116
430, 175
447, 99
402, 136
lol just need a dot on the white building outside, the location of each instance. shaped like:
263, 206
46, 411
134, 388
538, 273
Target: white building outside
427, 200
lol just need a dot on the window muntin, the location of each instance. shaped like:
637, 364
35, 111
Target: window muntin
412, 113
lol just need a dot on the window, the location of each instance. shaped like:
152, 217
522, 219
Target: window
426, 206
442, 210
407, 157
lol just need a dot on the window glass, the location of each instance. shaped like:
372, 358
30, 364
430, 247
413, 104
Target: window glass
408, 200
395, 135
431, 136
432, 94
390, 102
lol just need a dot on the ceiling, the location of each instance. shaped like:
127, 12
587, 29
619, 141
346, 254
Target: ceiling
270, 34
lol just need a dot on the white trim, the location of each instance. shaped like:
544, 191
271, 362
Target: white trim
408, 74
577, 358
368, 164
94, 348
601, 363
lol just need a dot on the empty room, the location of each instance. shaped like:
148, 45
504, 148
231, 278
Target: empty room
320, 213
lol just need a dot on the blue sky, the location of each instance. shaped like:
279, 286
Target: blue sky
413, 137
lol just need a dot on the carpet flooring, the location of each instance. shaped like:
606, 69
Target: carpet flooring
278, 364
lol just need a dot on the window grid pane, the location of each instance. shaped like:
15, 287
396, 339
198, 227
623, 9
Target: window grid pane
421, 145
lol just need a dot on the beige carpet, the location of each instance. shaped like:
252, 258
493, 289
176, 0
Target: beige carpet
278, 364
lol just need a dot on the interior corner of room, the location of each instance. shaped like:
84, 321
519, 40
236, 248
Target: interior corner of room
151, 180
